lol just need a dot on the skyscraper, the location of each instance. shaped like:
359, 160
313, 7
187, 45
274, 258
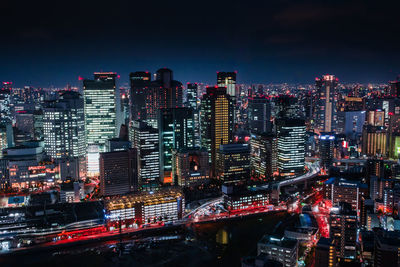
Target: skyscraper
176, 131
164, 92
118, 172
233, 163
144, 139
64, 129
192, 102
228, 80
263, 158
326, 110
216, 117
291, 146
326, 146
259, 110
140, 84
343, 230
100, 108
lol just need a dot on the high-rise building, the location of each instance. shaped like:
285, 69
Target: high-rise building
144, 139
193, 103
263, 156
191, 95
5, 101
291, 135
233, 163
100, 98
118, 172
343, 230
140, 84
228, 80
190, 166
326, 113
326, 147
64, 129
259, 109
216, 117
176, 131
341, 190
164, 92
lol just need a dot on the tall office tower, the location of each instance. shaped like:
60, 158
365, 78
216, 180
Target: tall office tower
228, 80
100, 97
192, 102
190, 166
263, 160
164, 93
233, 163
140, 84
287, 106
291, 134
326, 113
64, 130
325, 253
5, 101
343, 229
326, 147
144, 139
191, 95
176, 131
259, 109
216, 118
118, 173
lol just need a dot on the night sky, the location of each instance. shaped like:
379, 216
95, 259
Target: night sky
265, 41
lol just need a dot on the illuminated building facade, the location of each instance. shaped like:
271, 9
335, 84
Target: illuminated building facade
144, 139
242, 199
326, 148
374, 140
64, 130
100, 98
118, 172
343, 230
259, 109
165, 205
190, 166
140, 84
27, 166
341, 190
263, 156
176, 131
164, 92
228, 80
291, 134
216, 117
233, 163
193, 103
282, 249
326, 104
5, 101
